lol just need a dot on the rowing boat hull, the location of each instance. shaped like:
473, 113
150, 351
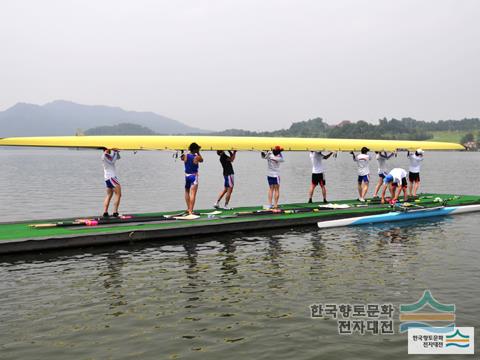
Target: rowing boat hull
399, 216
158, 142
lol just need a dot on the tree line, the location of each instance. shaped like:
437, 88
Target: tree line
388, 129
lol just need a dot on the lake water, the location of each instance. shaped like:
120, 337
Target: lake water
236, 296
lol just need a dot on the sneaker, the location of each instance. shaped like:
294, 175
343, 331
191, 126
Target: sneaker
310, 201
115, 214
325, 201
105, 215
226, 207
216, 206
361, 200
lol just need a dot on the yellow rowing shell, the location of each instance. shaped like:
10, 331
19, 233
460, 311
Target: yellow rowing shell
130, 142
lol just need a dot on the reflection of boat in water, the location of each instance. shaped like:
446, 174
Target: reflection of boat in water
396, 215
62, 233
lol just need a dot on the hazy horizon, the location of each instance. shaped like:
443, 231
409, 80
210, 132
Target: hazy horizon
246, 64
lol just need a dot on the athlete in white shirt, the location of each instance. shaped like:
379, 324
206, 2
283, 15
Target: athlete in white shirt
109, 157
274, 158
362, 161
318, 176
382, 158
396, 180
414, 171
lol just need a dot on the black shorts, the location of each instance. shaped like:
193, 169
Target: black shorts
317, 179
404, 183
414, 177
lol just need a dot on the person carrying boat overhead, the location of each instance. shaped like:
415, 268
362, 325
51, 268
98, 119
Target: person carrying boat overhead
382, 158
396, 181
191, 161
109, 157
274, 158
415, 159
228, 173
362, 161
318, 174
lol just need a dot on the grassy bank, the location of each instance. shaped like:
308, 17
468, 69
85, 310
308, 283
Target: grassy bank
449, 136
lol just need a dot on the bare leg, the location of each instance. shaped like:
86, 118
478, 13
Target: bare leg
106, 202
364, 189
415, 187
270, 194
118, 195
277, 195
222, 193
359, 190
410, 185
377, 188
405, 197
187, 199
193, 196
312, 189
229, 194
324, 192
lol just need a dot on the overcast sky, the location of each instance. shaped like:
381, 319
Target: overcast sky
253, 64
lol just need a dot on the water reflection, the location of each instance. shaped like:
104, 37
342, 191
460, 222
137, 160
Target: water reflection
112, 282
229, 262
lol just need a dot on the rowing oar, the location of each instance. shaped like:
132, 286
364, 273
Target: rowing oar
274, 212
124, 219
100, 221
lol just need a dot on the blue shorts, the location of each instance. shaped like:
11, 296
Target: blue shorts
363, 178
191, 179
112, 183
273, 180
228, 181
382, 175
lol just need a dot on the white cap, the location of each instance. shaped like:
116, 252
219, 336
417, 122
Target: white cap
419, 151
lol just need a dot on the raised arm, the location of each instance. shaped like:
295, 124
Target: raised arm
198, 158
232, 156
277, 158
325, 157
354, 156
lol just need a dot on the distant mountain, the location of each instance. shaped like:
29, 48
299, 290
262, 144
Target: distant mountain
65, 118
120, 129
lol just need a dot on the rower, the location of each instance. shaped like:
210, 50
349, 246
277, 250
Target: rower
414, 171
191, 161
362, 161
274, 158
109, 157
226, 161
318, 177
396, 181
382, 158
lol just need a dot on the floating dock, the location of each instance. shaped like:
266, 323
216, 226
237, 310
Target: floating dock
23, 237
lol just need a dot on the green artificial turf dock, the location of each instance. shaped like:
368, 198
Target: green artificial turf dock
19, 236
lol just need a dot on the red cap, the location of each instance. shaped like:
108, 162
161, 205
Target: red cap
278, 148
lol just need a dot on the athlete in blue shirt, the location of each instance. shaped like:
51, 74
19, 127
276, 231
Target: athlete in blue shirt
191, 161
